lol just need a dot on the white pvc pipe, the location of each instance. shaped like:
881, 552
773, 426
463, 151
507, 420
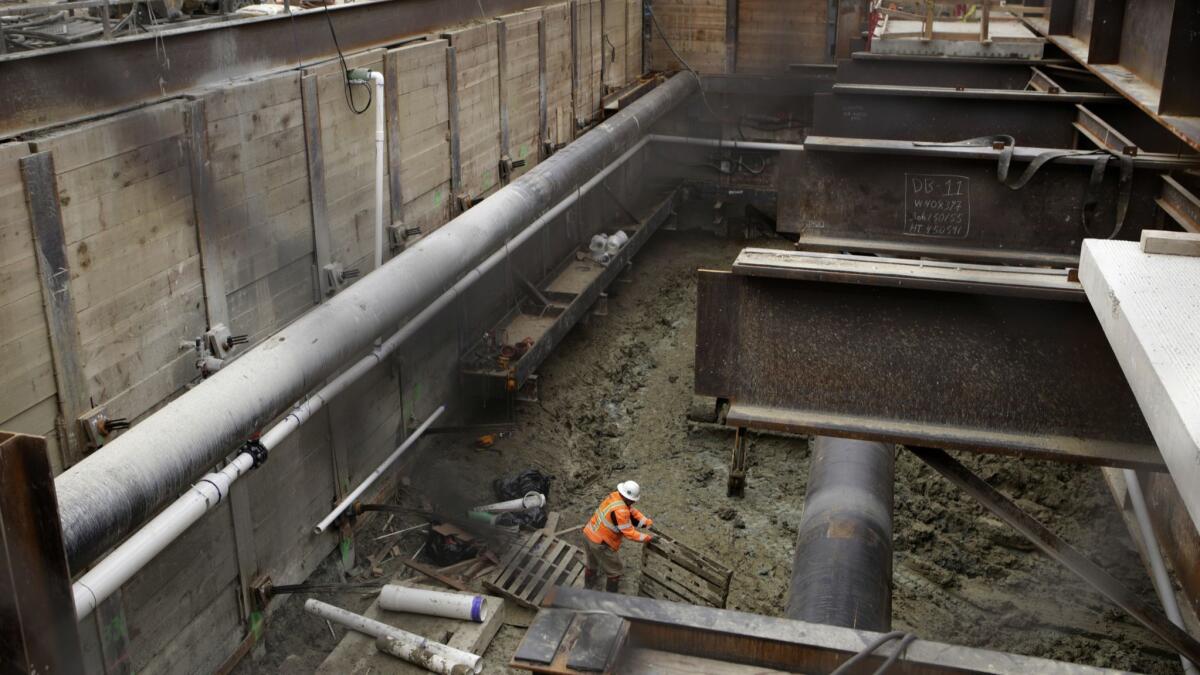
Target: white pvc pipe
418, 655
531, 500
1158, 569
105, 578
434, 603
380, 139
362, 487
376, 629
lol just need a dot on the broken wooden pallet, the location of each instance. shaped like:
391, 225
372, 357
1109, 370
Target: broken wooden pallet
532, 567
675, 572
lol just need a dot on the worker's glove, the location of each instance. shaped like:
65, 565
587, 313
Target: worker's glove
647, 522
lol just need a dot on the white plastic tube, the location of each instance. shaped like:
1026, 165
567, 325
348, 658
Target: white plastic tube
434, 603
380, 139
1158, 569
370, 480
376, 629
419, 655
105, 578
531, 500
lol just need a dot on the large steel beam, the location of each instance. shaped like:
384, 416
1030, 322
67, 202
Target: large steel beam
66, 84
110, 492
987, 359
903, 198
939, 71
767, 642
842, 567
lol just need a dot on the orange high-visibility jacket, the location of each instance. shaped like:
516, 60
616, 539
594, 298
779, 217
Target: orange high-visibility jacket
611, 521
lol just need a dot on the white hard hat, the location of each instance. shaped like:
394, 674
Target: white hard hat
629, 490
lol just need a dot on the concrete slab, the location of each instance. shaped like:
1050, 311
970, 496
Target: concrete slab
1009, 39
356, 653
1149, 307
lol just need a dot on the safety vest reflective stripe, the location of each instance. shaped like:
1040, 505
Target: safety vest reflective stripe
603, 512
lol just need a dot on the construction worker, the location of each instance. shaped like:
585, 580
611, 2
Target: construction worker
614, 520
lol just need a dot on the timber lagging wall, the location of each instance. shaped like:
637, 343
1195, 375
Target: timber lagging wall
224, 206
767, 35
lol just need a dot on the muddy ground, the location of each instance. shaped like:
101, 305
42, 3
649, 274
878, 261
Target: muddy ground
613, 405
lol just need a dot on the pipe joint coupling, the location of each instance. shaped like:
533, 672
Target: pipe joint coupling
257, 450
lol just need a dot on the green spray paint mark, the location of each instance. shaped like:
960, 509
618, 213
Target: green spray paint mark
115, 631
345, 550
488, 181
524, 151
437, 197
256, 625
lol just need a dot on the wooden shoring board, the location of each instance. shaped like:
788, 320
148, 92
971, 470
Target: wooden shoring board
556, 24
125, 190
347, 154
522, 83
477, 94
528, 571
420, 137
257, 243
673, 571
615, 44
633, 40
589, 55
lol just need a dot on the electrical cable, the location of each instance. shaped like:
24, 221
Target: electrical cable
671, 48
346, 71
905, 638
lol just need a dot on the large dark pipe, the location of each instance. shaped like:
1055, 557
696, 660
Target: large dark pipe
842, 570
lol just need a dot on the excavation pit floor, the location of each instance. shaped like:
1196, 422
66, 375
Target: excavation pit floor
613, 405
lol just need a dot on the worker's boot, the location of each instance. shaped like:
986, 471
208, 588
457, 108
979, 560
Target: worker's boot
591, 580
613, 585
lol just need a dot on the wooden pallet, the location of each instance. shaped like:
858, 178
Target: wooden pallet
531, 568
672, 571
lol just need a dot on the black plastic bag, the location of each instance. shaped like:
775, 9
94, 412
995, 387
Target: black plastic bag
447, 549
533, 519
529, 480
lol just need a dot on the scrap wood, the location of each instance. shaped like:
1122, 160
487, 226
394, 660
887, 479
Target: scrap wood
551, 522
435, 575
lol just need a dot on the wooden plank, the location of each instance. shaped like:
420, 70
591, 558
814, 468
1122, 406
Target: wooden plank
476, 83
41, 190
771, 34
697, 31
434, 574
502, 84
633, 41
310, 104
560, 73
207, 239
543, 94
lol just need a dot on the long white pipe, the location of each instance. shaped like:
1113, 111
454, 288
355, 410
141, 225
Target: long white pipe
105, 578
140, 548
376, 629
395, 598
369, 480
1158, 569
380, 139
